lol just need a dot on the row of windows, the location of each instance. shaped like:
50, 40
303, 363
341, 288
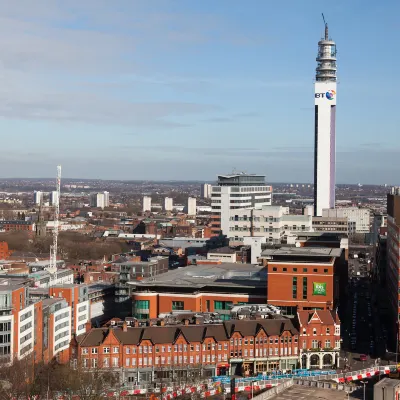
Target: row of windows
5, 326
62, 325
5, 350
25, 338
61, 316
61, 335
295, 269
6, 338
315, 344
25, 327
197, 347
25, 316
26, 348
62, 344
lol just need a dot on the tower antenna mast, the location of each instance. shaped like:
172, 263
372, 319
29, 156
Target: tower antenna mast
326, 27
54, 246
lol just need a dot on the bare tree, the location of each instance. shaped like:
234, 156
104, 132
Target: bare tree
91, 383
16, 379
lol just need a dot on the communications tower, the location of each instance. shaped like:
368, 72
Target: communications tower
325, 125
54, 247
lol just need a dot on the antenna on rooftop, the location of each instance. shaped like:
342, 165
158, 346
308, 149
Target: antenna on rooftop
326, 27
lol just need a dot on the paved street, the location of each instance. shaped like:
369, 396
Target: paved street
362, 330
307, 393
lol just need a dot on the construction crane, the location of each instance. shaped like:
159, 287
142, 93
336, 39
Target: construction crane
53, 248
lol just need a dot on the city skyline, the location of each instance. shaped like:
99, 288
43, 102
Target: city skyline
100, 91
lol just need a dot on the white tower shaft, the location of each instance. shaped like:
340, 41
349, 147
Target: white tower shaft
325, 126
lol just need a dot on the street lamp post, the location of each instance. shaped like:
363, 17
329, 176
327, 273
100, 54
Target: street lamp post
364, 383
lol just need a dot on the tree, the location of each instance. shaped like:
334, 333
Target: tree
91, 383
16, 379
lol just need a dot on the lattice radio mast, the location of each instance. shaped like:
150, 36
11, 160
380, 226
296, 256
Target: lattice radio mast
53, 248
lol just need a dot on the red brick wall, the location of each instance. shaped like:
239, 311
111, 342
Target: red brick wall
280, 284
4, 251
182, 352
197, 303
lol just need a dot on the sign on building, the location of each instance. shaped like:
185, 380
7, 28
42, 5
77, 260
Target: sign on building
319, 288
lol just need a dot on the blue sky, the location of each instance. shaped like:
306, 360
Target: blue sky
186, 89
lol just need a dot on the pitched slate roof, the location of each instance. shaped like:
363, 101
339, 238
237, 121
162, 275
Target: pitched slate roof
272, 327
192, 333
326, 317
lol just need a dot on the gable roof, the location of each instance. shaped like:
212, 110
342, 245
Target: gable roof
192, 333
326, 317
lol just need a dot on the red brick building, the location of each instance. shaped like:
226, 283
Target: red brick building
319, 343
242, 347
157, 352
199, 288
16, 225
4, 251
302, 278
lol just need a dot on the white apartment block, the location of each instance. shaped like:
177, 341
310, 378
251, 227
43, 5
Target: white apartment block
237, 192
100, 200
361, 217
272, 222
168, 204
191, 206
37, 197
61, 328
146, 203
54, 198
205, 191
82, 316
26, 332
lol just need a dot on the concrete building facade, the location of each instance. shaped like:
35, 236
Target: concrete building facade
168, 204
361, 217
37, 197
205, 191
272, 222
100, 200
146, 203
237, 192
191, 206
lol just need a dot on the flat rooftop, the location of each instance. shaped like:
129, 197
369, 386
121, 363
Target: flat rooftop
302, 251
198, 276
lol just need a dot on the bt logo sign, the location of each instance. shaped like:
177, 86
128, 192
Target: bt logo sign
330, 95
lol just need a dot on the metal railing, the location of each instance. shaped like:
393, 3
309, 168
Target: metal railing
275, 390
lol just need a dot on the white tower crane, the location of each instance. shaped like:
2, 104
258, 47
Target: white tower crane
53, 248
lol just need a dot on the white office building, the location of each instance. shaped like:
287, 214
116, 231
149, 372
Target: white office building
272, 222
325, 126
168, 204
205, 190
360, 217
37, 197
237, 192
146, 203
191, 206
54, 198
100, 200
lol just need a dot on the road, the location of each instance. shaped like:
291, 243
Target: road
362, 328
